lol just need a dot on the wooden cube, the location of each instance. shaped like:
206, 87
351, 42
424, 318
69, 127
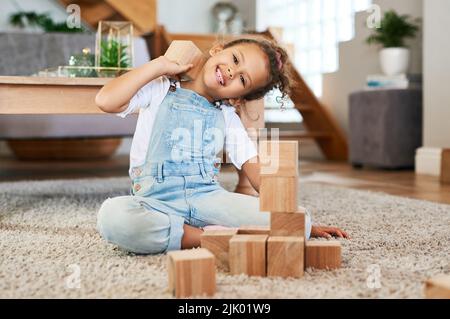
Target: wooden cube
323, 254
186, 52
285, 256
445, 166
218, 243
278, 158
248, 255
254, 230
191, 272
278, 194
288, 224
438, 287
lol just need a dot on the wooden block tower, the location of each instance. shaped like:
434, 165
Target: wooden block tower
281, 249
278, 195
186, 52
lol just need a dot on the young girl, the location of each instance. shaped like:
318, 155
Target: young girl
180, 130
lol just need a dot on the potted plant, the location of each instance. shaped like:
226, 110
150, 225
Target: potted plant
394, 29
43, 21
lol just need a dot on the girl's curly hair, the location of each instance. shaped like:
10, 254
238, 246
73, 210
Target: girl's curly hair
279, 78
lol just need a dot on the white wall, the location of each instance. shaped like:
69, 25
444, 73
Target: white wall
357, 59
194, 16
436, 73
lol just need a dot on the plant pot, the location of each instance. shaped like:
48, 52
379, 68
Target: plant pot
394, 61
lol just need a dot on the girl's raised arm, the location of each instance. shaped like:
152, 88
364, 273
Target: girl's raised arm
115, 95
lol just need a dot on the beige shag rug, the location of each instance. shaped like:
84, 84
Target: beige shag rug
49, 247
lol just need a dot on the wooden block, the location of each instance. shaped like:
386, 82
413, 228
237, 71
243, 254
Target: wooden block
278, 194
248, 255
217, 242
323, 254
186, 52
438, 287
254, 230
278, 158
288, 224
191, 272
285, 256
445, 166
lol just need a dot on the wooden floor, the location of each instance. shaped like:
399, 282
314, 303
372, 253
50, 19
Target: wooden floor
401, 183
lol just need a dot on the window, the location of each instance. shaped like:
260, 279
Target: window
314, 27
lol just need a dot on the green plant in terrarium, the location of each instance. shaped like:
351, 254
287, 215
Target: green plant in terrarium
113, 48
114, 54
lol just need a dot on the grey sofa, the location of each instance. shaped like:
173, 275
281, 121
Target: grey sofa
385, 127
28, 53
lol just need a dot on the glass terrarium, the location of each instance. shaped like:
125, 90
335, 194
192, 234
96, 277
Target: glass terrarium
114, 47
81, 65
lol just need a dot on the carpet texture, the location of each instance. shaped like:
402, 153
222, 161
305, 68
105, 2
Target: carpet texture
49, 247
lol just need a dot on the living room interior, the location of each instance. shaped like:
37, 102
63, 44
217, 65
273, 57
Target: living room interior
371, 121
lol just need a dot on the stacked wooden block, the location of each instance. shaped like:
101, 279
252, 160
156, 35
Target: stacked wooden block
191, 273
278, 250
438, 287
445, 166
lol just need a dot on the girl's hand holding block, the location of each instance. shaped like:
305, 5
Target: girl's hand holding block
171, 68
186, 53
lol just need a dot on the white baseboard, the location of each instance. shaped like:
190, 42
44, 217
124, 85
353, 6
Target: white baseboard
428, 161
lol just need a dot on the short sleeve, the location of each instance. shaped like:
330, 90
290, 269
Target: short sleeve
238, 145
145, 95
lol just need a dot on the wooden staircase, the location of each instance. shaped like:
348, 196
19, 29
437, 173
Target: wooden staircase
142, 13
319, 123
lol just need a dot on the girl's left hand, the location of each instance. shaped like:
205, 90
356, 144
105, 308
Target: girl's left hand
328, 232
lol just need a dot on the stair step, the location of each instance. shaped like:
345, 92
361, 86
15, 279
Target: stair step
92, 13
142, 13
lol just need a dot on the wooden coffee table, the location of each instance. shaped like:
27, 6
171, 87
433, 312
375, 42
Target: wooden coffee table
54, 95
49, 95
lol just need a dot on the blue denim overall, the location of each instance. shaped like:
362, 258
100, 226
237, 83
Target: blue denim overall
177, 184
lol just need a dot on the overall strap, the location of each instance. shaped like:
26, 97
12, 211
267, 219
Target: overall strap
174, 84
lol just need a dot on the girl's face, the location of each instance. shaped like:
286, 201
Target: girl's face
235, 71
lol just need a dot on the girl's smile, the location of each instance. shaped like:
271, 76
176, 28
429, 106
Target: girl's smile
220, 78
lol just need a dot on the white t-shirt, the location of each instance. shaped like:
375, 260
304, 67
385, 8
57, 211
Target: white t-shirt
238, 145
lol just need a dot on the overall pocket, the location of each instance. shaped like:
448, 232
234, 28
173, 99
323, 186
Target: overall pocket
185, 136
143, 186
